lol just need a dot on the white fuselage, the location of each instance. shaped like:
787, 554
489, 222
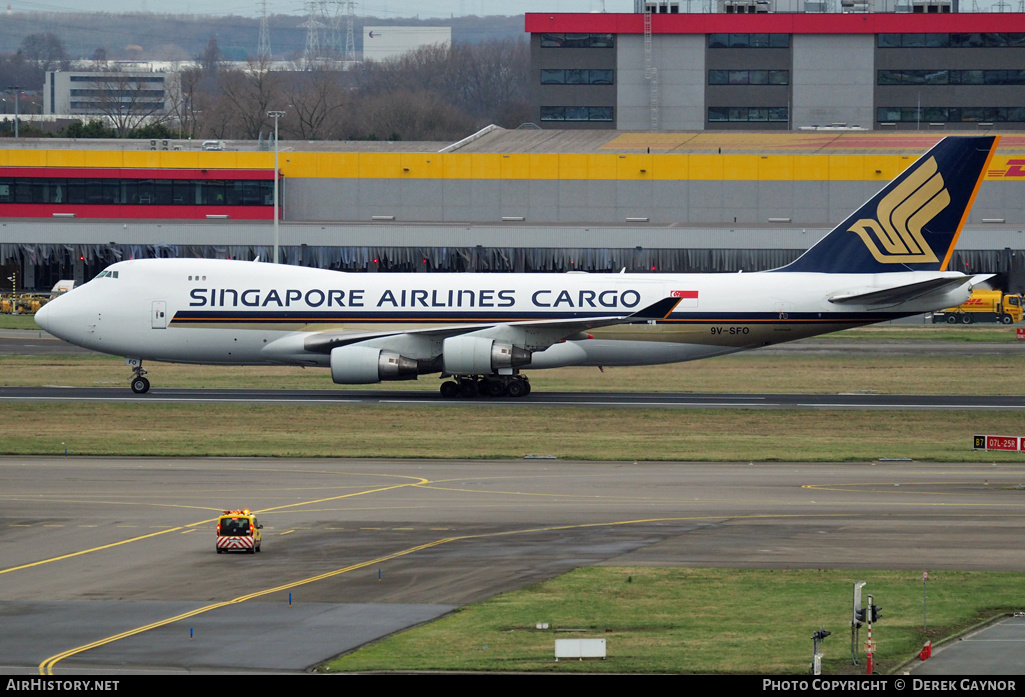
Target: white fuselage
229, 312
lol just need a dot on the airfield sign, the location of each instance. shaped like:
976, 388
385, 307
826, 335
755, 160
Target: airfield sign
998, 442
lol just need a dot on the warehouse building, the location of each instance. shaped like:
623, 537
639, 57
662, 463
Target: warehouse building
504, 200
779, 66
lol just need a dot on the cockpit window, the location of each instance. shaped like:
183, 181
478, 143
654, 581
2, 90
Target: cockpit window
107, 274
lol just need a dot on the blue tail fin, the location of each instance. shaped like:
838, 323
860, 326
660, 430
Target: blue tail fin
914, 222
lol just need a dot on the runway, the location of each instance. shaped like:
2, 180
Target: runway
118, 554
586, 400
14, 342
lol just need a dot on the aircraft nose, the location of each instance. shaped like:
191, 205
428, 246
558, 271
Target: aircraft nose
58, 319
42, 317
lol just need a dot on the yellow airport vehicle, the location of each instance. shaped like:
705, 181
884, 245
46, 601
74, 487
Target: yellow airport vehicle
238, 531
984, 306
24, 303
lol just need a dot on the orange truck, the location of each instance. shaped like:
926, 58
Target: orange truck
984, 306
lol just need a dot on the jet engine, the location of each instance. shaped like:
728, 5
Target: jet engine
362, 365
477, 355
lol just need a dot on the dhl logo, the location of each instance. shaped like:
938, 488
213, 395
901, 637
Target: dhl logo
1015, 168
895, 235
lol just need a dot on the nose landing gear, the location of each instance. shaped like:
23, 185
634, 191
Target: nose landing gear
140, 385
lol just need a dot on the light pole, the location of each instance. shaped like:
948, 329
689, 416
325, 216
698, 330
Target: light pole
15, 89
277, 239
13, 278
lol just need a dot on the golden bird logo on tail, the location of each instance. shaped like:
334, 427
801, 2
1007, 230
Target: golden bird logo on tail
895, 236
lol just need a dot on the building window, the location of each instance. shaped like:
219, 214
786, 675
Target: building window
567, 76
576, 113
748, 114
107, 76
749, 40
951, 77
168, 192
561, 40
748, 77
935, 114
965, 40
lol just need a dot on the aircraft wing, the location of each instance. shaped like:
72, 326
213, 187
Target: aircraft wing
902, 293
544, 331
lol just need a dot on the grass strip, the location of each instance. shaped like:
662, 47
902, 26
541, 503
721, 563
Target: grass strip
9, 321
752, 372
733, 621
497, 432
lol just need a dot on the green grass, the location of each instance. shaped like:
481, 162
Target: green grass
657, 620
481, 431
8, 321
976, 333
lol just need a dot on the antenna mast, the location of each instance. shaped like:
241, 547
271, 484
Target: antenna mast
350, 41
263, 51
312, 53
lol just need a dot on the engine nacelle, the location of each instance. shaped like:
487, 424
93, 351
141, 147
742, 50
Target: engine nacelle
477, 355
362, 365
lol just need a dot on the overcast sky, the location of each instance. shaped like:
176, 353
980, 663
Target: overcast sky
377, 8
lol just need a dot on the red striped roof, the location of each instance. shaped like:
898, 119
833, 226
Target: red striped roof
773, 23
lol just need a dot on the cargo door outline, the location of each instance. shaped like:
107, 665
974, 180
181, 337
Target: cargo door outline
158, 314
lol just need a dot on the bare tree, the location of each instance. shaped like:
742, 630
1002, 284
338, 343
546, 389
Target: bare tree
217, 117
314, 95
184, 100
210, 56
250, 91
16, 70
435, 92
419, 115
127, 99
422, 69
491, 79
46, 50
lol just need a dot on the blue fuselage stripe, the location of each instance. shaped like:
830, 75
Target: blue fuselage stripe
218, 317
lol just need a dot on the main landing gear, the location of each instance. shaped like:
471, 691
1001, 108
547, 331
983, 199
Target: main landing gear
470, 386
140, 385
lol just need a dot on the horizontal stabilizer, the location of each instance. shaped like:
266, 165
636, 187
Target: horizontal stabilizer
902, 293
659, 310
